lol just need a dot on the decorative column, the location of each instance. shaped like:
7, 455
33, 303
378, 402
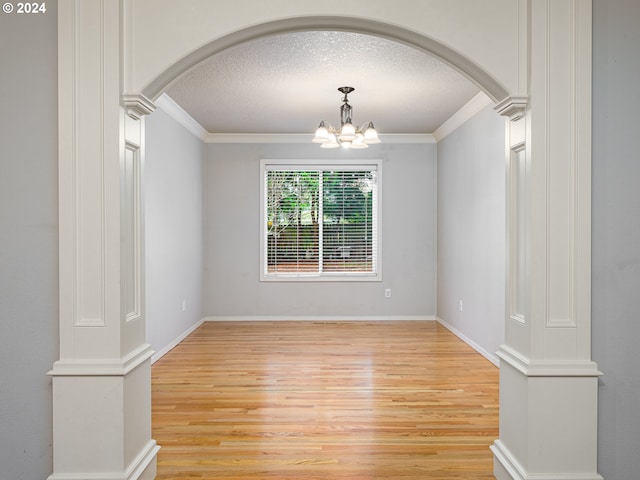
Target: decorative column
101, 383
548, 383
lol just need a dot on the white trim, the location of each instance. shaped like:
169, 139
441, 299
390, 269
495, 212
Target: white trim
512, 107
504, 458
133, 472
267, 164
541, 368
468, 110
137, 105
106, 367
258, 138
317, 318
143, 461
489, 356
162, 352
175, 111
516, 471
407, 138
424, 138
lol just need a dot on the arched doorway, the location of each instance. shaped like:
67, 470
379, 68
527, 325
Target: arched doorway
493, 88
109, 74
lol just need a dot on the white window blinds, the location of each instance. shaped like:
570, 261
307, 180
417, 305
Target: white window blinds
320, 221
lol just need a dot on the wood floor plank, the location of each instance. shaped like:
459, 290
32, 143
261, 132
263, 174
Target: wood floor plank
324, 400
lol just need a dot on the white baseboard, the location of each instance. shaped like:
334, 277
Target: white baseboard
255, 318
489, 356
161, 353
507, 467
139, 468
327, 318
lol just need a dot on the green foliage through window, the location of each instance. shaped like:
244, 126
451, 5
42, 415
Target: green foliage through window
320, 221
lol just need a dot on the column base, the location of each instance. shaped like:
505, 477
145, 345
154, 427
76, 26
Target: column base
143, 468
548, 420
102, 421
506, 467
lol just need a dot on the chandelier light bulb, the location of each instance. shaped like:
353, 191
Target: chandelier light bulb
371, 135
358, 142
332, 142
347, 133
322, 134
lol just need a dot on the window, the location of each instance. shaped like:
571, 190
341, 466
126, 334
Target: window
320, 220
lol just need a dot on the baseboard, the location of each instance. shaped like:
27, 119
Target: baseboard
138, 469
255, 318
144, 462
489, 356
161, 353
507, 467
321, 318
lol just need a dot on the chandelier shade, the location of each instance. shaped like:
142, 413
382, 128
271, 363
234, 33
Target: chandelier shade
348, 135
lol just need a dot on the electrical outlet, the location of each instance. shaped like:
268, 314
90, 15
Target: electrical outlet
387, 293
460, 305
184, 305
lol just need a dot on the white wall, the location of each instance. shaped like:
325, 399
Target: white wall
471, 231
616, 235
28, 241
173, 229
232, 238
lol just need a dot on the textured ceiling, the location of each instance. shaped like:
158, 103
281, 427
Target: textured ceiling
287, 83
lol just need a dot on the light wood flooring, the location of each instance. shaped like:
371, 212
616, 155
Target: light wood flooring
324, 400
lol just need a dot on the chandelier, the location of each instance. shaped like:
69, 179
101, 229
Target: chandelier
348, 135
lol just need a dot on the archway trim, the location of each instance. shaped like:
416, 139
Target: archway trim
494, 89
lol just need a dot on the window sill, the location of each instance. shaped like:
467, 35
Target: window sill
367, 277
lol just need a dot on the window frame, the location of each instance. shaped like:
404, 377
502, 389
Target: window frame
320, 164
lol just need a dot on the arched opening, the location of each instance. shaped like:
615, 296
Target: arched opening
467, 67
422, 47
548, 381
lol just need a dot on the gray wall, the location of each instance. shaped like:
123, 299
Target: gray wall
616, 234
28, 241
471, 231
28, 238
173, 229
232, 238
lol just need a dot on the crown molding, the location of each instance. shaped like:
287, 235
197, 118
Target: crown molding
138, 105
175, 111
408, 138
468, 110
258, 138
306, 138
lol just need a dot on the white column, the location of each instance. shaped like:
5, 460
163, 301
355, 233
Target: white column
548, 383
101, 383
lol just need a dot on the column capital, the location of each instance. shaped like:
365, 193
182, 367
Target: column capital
137, 105
513, 107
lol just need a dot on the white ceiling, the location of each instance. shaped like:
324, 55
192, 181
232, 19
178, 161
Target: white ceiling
287, 83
